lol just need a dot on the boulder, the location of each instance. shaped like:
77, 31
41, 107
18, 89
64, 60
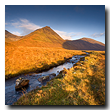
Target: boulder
21, 82
44, 78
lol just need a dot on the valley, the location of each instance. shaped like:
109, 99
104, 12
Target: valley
43, 50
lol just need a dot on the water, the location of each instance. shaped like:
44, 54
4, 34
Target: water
11, 95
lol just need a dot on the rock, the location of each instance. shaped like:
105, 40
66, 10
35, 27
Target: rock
72, 61
82, 58
21, 82
57, 71
61, 72
44, 78
53, 74
68, 60
75, 56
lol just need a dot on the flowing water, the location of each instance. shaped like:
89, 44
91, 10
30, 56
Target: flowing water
12, 95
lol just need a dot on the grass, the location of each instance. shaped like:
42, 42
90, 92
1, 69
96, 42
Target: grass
20, 59
83, 84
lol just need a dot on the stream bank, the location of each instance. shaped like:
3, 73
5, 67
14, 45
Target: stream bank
11, 95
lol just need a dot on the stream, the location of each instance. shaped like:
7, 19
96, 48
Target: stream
12, 95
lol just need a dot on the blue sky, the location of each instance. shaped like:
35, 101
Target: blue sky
69, 21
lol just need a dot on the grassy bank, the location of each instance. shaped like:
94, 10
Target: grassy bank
83, 84
20, 60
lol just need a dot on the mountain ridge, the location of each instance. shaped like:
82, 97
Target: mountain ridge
9, 37
46, 37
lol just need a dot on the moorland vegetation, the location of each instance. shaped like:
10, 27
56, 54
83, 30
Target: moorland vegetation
83, 84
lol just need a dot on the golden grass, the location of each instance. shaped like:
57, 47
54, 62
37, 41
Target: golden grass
82, 85
20, 59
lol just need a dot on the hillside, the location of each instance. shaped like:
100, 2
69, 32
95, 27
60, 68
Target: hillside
84, 44
44, 37
9, 37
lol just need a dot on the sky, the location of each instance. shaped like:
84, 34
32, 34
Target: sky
69, 21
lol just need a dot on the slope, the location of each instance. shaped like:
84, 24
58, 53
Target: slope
84, 44
44, 37
9, 37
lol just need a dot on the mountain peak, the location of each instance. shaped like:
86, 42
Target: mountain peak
84, 38
46, 27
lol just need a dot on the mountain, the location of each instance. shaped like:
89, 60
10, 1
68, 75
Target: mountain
84, 44
11, 37
46, 37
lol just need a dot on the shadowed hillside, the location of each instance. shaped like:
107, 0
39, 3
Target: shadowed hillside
84, 44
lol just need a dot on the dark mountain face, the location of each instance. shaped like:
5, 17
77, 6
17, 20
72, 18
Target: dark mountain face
84, 44
46, 37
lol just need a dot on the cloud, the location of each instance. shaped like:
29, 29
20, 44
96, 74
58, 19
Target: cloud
74, 34
69, 36
25, 25
98, 34
16, 33
64, 35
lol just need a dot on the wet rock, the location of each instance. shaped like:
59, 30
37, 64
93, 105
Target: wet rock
72, 61
21, 82
82, 58
68, 60
44, 78
61, 72
75, 56
53, 74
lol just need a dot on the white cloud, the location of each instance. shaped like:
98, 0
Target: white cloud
69, 36
98, 34
74, 34
25, 25
16, 33
63, 34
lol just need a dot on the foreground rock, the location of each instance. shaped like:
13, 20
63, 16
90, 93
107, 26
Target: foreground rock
21, 82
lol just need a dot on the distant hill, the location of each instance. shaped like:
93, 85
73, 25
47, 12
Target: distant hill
9, 37
84, 44
46, 37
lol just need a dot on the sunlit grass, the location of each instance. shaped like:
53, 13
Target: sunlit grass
20, 59
83, 84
